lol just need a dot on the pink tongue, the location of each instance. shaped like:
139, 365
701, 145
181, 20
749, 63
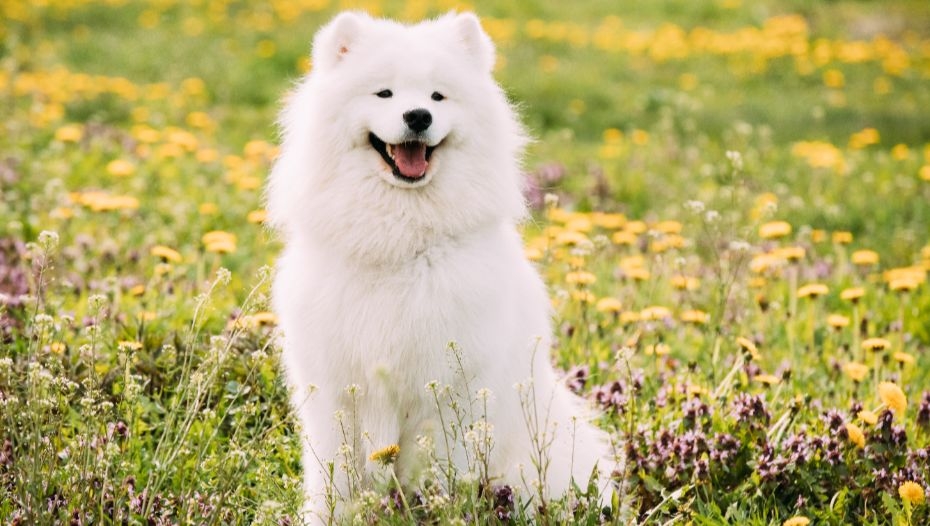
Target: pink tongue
410, 158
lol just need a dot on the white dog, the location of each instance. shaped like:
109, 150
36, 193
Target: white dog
398, 192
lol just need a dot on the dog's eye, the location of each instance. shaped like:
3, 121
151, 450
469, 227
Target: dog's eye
437, 96
385, 94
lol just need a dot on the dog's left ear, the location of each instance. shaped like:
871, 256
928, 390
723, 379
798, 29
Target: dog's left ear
477, 43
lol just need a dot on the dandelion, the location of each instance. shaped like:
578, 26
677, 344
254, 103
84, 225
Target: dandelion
167, 254
798, 520
905, 284
580, 278
747, 345
264, 318
219, 241
386, 455
697, 317
876, 344
892, 396
842, 237
837, 321
120, 168
655, 312
774, 230
257, 216
792, 253
611, 305
813, 290
69, 133
767, 379
855, 434
685, 282
904, 358
912, 493
856, 371
853, 294
869, 417
864, 257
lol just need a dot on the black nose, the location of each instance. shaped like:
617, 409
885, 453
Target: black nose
418, 119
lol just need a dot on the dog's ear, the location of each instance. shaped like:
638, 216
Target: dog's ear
477, 43
337, 39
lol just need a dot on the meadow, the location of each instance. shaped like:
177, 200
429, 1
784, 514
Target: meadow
731, 206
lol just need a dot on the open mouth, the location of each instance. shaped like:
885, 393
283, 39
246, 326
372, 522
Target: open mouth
408, 160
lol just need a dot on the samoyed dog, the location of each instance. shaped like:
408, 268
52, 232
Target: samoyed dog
411, 318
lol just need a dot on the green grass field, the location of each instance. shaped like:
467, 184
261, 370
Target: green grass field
736, 237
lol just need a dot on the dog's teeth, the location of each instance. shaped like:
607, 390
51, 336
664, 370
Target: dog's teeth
390, 150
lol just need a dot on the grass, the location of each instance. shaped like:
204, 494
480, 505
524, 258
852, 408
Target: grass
139, 380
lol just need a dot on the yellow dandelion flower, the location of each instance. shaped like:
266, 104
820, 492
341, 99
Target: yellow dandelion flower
264, 318
558, 215
892, 396
685, 282
583, 296
120, 168
774, 230
855, 434
766, 262
856, 371
608, 305
224, 246
697, 317
852, 294
580, 278
749, 346
608, 221
818, 235
914, 273
386, 455
912, 493
571, 238
925, 172
767, 379
623, 237
900, 152
137, 290
793, 253
57, 347
842, 237
257, 216
655, 312
638, 274
904, 358
865, 257
659, 349
798, 520
837, 321
876, 344
868, 417
579, 223
167, 254
629, 316
906, 284
813, 290
636, 227
533, 253
69, 133
208, 209
668, 227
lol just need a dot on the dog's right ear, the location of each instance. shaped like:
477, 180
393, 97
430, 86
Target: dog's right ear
337, 39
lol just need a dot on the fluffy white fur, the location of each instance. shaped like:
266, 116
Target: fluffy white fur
379, 275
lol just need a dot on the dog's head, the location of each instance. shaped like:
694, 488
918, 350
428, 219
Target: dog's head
391, 108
